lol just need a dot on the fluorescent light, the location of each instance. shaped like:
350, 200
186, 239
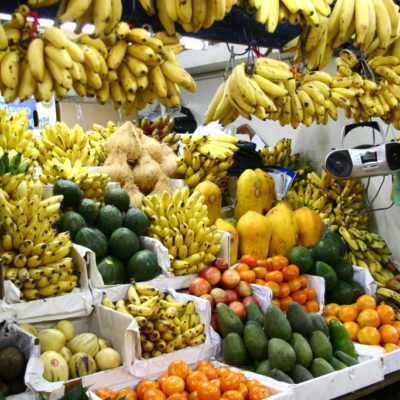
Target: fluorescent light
88, 28
45, 22
194, 44
6, 17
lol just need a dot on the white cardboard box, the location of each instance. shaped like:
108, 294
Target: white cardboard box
76, 303
390, 361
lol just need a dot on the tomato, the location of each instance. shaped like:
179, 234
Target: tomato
310, 293
269, 264
143, 386
285, 302
251, 261
173, 384
230, 382
223, 371
209, 370
178, 396
242, 377
274, 276
294, 284
129, 394
162, 378
248, 276
244, 390
285, 290
260, 272
253, 382
216, 382
194, 379
259, 392
290, 272
178, 368
303, 280
278, 262
193, 396
275, 287
203, 363
105, 393
299, 296
232, 395
208, 391
263, 263
242, 267
154, 394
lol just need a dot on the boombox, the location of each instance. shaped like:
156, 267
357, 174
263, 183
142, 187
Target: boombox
365, 160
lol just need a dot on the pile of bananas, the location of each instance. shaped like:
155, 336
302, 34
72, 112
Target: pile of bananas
92, 185
104, 14
206, 158
192, 15
34, 255
12, 163
373, 25
390, 297
334, 200
368, 250
270, 13
98, 136
243, 95
281, 155
180, 222
165, 324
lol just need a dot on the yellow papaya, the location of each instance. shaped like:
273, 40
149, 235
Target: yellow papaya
254, 234
248, 193
282, 223
213, 199
267, 190
234, 238
310, 226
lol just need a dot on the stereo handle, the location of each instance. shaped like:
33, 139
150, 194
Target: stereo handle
372, 124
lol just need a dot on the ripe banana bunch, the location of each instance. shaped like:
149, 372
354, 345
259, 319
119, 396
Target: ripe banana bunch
15, 135
60, 142
259, 94
193, 15
368, 250
34, 255
206, 158
372, 24
180, 222
98, 137
390, 296
270, 13
165, 324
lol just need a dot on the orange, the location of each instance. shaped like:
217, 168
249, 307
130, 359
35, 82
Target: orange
289, 273
216, 382
154, 394
303, 281
368, 317
274, 276
300, 296
223, 371
232, 395
365, 301
285, 290
209, 370
204, 363
194, 379
178, 396
144, 385
242, 267
310, 292
230, 382
285, 302
162, 378
260, 272
263, 263
274, 287
253, 383
352, 329
347, 313
208, 391
173, 384
259, 392
105, 393
178, 368
248, 276
389, 334
295, 284
331, 309
389, 347
259, 282
251, 261
396, 324
369, 335
330, 318
268, 264
386, 314
193, 396
244, 390
126, 393
276, 302
278, 262
312, 306
242, 377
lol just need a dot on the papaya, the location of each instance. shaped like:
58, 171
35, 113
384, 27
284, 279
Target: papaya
282, 222
248, 193
213, 199
254, 235
267, 190
233, 238
310, 226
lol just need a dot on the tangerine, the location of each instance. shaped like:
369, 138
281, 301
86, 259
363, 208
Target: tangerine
248, 276
389, 347
274, 287
285, 302
312, 306
386, 314
260, 272
242, 267
310, 292
368, 317
352, 329
251, 261
274, 276
303, 281
330, 318
294, 284
369, 335
285, 290
299, 296
389, 334
396, 324
348, 313
365, 302
331, 309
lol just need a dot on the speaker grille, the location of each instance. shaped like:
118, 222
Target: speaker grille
339, 163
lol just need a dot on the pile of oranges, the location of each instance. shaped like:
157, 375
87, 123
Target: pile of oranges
282, 278
205, 382
368, 323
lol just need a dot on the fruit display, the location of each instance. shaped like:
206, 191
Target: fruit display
161, 129
366, 322
66, 355
98, 135
229, 225
165, 324
206, 158
292, 348
206, 379
286, 281
111, 232
139, 163
35, 256
180, 221
12, 370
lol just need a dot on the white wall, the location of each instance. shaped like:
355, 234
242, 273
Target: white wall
313, 143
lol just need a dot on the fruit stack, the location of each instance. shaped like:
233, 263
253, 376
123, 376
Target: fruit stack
111, 232
293, 348
34, 254
165, 324
367, 323
181, 223
206, 380
66, 355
